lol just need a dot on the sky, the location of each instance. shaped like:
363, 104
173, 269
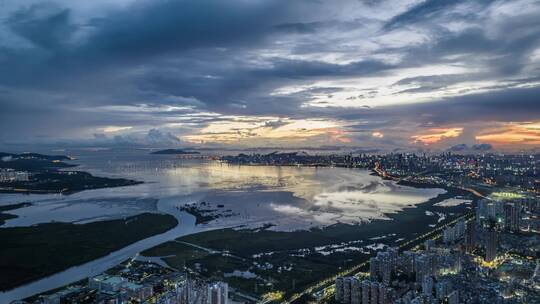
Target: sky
373, 74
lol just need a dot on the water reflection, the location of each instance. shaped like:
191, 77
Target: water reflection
288, 197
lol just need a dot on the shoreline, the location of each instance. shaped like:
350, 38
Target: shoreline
185, 226
45, 174
190, 231
412, 216
121, 182
95, 240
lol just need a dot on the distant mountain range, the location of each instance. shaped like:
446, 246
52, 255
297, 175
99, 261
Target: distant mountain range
174, 151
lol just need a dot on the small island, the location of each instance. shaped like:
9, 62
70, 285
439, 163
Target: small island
39, 173
206, 212
174, 152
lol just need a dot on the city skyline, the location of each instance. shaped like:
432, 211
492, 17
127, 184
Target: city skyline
385, 75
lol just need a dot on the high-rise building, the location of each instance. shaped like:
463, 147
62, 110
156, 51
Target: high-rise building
366, 288
218, 293
383, 294
339, 290
448, 235
453, 233
428, 244
460, 228
443, 289
453, 297
374, 293
356, 291
393, 254
512, 217
374, 269
482, 211
492, 243
407, 262
423, 266
427, 285
347, 289
470, 240
386, 271
498, 210
382, 267
507, 215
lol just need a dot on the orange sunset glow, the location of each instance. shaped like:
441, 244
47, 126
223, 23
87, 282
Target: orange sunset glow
269, 128
436, 135
513, 134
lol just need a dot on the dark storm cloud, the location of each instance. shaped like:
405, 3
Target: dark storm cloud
167, 26
310, 69
233, 86
420, 12
430, 10
45, 25
503, 45
167, 61
298, 27
501, 105
144, 30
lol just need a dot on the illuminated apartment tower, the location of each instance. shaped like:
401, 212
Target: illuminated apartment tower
339, 290
470, 240
482, 211
492, 242
427, 286
356, 291
374, 269
512, 216
374, 293
366, 291
218, 293
348, 290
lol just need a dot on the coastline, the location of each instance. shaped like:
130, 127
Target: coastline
275, 246
45, 174
79, 243
101, 183
369, 229
185, 226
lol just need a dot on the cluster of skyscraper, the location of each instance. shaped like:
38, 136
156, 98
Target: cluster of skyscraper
492, 217
409, 277
449, 271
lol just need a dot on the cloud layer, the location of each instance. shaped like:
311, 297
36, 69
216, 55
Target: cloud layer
412, 75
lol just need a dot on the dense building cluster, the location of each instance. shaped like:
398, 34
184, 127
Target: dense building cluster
10, 175
489, 258
140, 282
490, 170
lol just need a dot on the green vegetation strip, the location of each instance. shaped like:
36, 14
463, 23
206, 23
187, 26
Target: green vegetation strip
30, 253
